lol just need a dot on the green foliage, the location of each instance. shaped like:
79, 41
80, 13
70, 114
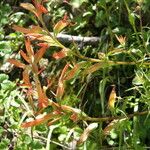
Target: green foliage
9, 41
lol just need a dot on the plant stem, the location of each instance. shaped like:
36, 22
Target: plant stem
116, 117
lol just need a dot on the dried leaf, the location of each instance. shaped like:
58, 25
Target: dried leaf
29, 7
16, 63
110, 126
86, 133
121, 39
112, 99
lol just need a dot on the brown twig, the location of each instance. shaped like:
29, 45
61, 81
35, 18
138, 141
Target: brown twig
115, 117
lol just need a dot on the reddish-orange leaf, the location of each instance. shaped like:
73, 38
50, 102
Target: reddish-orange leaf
40, 9
43, 103
71, 73
29, 48
60, 54
42, 98
21, 29
26, 77
60, 88
63, 72
39, 54
16, 63
26, 58
33, 29
37, 121
61, 25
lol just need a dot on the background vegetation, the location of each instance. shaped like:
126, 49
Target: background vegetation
104, 101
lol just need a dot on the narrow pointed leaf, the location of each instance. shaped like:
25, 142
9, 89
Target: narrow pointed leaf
16, 63
29, 7
53, 121
37, 121
26, 77
60, 90
61, 54
112, 99
72, 73
33, 29
63, 72
43, 101
29, 48
39, 54
61, 25
86, 132
26, 58
110, 126
93, 68
41, 37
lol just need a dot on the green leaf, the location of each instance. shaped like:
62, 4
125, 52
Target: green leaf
26, 139
3, 77
1, 130
7, 85
36, 145
5, 47
132, 19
